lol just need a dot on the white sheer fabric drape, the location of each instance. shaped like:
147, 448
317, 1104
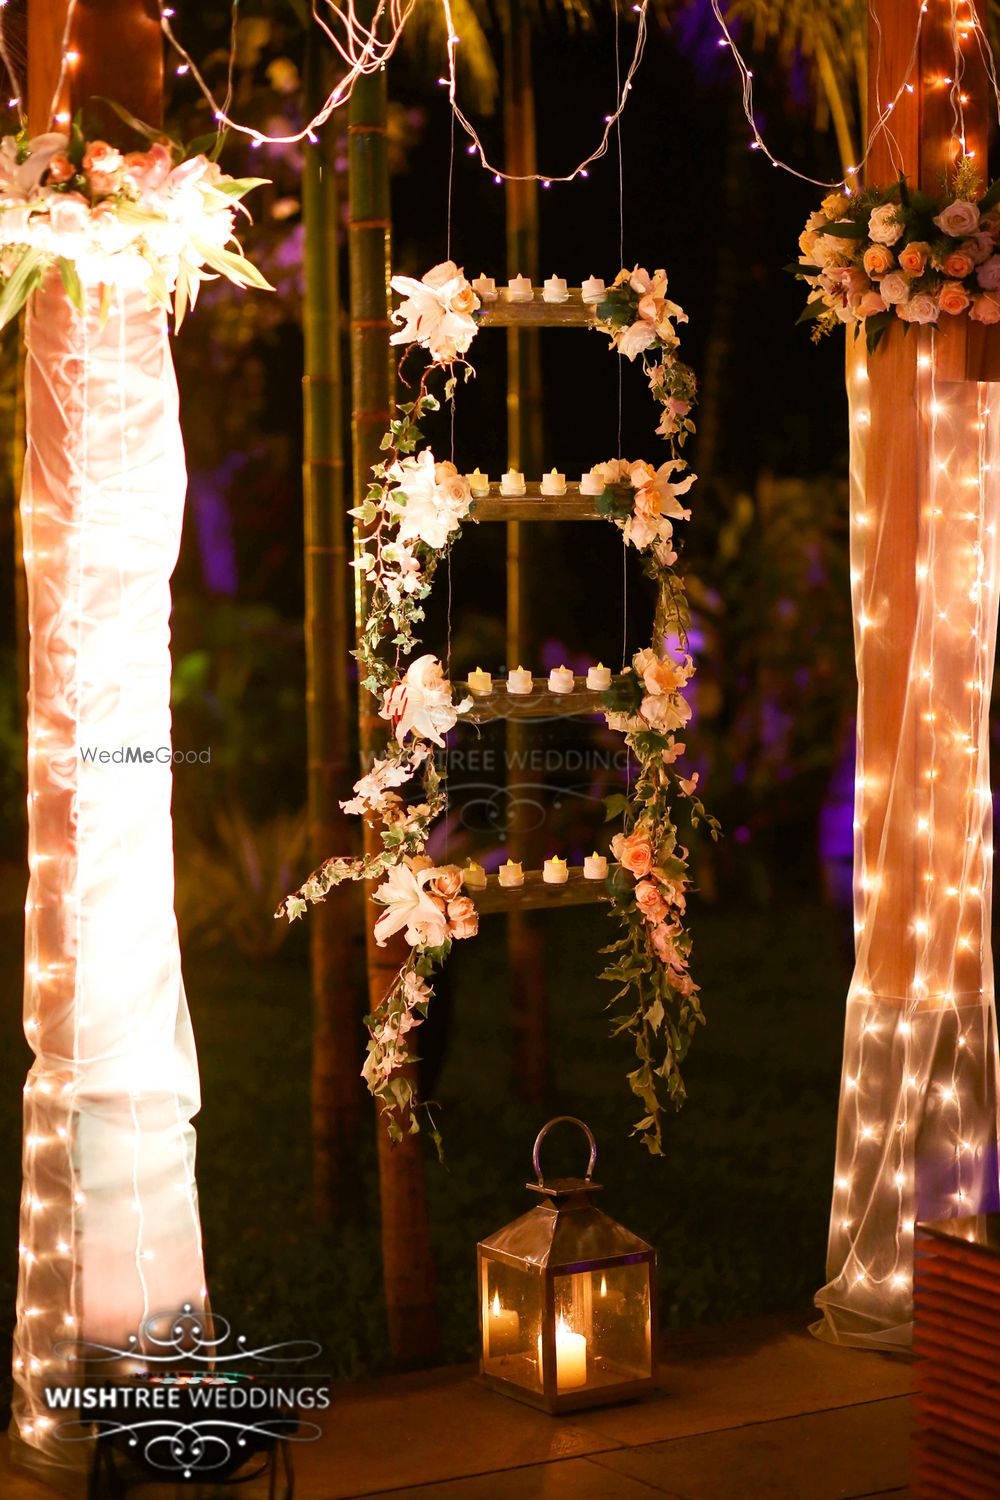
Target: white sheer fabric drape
109, 1218
917, 1135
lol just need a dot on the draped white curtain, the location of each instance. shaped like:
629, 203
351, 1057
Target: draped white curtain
917, 1134
109, 1218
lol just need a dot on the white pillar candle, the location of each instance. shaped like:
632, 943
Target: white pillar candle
480, 682
512, 483
555, 290
595, 867
591, 484
479, 483
561, 680
599, 678
503, 1329
485, 288
571, 1357
511, 873
474, 876
555, 871
520, 680
553, 483
519, 289
593, 289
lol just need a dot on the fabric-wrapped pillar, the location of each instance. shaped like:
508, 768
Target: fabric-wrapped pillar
109, 1219
917, 1135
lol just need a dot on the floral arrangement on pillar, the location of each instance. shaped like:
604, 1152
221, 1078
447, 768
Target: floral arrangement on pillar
413, 515
869, 257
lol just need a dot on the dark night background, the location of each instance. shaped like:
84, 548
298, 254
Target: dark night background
738, 1208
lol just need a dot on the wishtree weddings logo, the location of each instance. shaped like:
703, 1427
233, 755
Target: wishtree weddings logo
179, 1401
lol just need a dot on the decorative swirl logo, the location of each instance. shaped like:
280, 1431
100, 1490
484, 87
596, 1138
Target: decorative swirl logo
202, 1446
188, 1339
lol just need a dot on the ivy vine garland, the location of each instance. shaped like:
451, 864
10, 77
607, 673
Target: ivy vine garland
413, 515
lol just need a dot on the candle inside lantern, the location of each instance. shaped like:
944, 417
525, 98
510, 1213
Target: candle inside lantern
599, 678
555, 289
474, 876
480, 682
609, 1300
561, 680
555, 871
519, 289
553, 483
593, 289
591, 484
479, 483
512, 483
511, 873
519, 680
595, 867
571, 1357
486, 288
504, 1328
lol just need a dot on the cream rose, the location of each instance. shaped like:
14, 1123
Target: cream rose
920, 309
650, 901
894, 288
985, 308
958, 219
634, 852
463, 918
884, 226
988, 274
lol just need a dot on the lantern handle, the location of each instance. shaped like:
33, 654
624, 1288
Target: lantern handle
569, 1120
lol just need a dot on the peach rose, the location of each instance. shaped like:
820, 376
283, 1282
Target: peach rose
61, 169
464, 300
958, 264
447, 883
958, 219
869, 304
913, 257
634, 852
100, 157
878, 260
648, 503
663, 942
463, 919
650, 902
985, 308
953, 298
420, 862
662, 677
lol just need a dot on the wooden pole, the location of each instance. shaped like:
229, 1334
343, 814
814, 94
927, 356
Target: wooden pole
525, 938
335, 925
407, 1263
120, 56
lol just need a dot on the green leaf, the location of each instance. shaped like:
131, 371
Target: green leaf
812, 310
20, 284
149, 133
990, 198
875, 329
71, 282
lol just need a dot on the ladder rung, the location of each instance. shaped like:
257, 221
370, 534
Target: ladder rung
534, 506
536, 895
503, 313
540, 704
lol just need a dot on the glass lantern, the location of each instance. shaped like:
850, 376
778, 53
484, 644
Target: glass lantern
567, 1299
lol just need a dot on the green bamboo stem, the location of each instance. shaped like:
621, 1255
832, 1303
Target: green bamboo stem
335, 926
407, 1263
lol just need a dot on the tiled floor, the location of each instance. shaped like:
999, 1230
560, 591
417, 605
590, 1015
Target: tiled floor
759, 1412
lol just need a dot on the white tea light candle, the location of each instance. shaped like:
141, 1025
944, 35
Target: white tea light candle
479, 483
555, 871
512, 483
555, 290
520, 680
519, 289
474, 877
553, 483
593, 290
511, 873
480, 682
591, 484
599, 678
485, 288
561, 680
595, 867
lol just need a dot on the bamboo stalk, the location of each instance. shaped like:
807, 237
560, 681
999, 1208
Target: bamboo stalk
525, 940
335, 926
407, 1263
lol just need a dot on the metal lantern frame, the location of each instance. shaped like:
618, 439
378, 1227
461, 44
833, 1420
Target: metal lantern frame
565, 1236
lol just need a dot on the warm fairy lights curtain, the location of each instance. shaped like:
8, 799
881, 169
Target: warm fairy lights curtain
917, 1136
109, 1217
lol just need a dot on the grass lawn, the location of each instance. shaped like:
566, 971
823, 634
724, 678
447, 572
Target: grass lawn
737, 1209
